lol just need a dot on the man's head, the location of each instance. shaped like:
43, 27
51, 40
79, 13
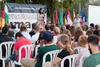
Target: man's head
93, 42
18, 35
47, 36
5, 30
92, 25
47, 27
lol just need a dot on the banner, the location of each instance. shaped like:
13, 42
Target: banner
24, 13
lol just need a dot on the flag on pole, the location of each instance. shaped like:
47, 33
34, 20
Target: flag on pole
56, 17
69, 21
60, 18
3, 19
65, 21
84, 17
0, 23
73, 14
80, 17
6, 13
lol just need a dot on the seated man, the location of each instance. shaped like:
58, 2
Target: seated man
4, 37
93, 60
47, 37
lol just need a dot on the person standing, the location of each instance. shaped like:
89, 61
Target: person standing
40, 17
77, 21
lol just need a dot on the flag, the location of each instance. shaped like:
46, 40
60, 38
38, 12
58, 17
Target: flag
0, 23
60, 18
3, 19
56, 17
80, 17
73, 14
69, 21
84, 17
65, 18
65, 21
6, 13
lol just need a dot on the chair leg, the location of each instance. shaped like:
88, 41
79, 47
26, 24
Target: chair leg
3, 63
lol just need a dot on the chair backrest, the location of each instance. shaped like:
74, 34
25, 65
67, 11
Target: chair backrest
78, 49
8, 46
72, 60
36, 50
28, 50
53, 54
97, 65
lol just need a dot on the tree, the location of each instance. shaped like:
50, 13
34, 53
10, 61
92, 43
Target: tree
51, 5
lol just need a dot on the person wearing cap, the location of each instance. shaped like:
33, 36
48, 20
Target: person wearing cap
47, 40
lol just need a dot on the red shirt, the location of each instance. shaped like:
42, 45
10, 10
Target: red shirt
22, 41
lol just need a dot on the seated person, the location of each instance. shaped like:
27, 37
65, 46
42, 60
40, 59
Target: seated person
4, 37
20, 42
67, 50
24, 31
93, 59
83, 52
49, 46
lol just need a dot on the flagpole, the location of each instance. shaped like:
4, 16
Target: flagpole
62, 10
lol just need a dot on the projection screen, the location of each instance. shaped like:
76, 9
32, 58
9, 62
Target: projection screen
94, 14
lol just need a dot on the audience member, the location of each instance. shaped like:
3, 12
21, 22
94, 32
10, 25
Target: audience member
35, 37
32, 32
48, 38
66, 50
83, 52
4, 35
57, 34
78, 33
93, 59
20, 42
89, 33
24, 31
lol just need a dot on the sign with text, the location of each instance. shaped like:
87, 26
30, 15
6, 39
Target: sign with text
24, 13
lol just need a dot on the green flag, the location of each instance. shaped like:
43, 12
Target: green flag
60, 18
6, 12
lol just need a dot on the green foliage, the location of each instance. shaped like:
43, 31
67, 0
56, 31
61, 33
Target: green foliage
20, 1
51, 5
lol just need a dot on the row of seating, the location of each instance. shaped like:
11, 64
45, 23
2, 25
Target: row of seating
29, 49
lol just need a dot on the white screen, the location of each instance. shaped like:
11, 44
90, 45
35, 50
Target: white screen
94, 14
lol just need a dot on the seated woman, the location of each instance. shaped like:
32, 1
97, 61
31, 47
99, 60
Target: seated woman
78, 33
67, 50
84, 52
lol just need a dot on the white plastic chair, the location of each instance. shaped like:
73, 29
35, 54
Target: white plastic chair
72, 60
77, 48
98, 65
9, 49
36, 50
28, 49
52, 54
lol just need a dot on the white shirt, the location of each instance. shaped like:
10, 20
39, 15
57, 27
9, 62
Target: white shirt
35, 37
55, 40
26, 35
77, 22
